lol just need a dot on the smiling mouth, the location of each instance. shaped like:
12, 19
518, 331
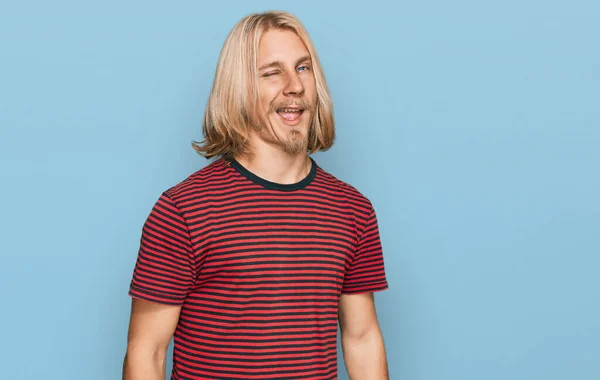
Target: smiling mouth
290, 114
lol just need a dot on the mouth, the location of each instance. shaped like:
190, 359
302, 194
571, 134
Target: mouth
290, 115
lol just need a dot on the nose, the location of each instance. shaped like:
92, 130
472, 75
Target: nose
294, 85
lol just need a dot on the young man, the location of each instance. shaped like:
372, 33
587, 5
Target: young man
251, 261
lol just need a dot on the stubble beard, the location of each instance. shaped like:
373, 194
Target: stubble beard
294, 142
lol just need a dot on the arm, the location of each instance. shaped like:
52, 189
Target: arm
362, 342
151, 328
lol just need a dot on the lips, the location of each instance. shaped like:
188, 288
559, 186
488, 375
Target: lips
290, 114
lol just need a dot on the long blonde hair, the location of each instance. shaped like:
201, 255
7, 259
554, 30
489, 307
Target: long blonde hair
233, 105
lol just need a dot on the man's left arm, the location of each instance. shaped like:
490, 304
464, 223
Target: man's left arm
362, 341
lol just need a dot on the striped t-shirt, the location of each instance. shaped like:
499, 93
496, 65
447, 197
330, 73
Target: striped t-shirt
258, 268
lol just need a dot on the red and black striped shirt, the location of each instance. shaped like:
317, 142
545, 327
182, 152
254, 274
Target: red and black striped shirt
258, 268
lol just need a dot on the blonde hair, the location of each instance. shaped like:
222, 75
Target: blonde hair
233, 105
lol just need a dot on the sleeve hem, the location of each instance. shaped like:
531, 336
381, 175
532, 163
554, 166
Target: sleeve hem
371, 288
146, 295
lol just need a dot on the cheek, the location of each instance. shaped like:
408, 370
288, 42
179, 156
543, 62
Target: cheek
268, 93
310, 89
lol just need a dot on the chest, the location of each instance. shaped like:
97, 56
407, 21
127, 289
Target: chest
282, 249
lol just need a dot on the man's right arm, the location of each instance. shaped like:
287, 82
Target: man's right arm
151, 328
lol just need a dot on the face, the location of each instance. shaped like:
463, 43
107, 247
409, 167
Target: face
287, 90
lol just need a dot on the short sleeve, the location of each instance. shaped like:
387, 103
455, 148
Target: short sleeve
165, 270
367, 270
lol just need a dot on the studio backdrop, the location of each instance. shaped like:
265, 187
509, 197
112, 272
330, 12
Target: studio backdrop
473, 127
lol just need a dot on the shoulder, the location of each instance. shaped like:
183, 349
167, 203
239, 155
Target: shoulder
200, 183
342, 189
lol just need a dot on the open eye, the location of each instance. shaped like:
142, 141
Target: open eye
303, 68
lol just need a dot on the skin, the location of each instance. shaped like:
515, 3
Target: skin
277, 153
151, 327
362, 340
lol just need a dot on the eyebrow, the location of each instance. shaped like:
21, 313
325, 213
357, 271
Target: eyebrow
278, 63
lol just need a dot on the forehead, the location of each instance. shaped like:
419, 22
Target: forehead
280, 45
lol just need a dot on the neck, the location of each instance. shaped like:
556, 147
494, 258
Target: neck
275, 165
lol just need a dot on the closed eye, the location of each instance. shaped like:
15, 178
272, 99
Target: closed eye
270, 73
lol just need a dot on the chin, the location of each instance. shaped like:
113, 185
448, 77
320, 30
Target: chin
294, 140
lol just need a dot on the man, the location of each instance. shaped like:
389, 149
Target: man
251, 262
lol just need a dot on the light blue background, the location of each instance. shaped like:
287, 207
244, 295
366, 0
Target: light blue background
474, 127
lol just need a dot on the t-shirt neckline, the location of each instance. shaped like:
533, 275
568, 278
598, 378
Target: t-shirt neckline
274, 185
